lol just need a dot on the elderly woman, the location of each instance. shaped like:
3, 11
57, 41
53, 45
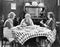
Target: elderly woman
51, 20
27, 21
8, 25
9, 22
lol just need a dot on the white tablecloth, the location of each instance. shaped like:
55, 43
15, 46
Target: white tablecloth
24, 33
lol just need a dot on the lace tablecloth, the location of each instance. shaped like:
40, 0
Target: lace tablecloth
24, 33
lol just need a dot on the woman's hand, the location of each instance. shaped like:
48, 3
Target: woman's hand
23, 25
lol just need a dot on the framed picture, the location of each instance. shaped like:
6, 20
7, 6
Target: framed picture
58, 2
13, 6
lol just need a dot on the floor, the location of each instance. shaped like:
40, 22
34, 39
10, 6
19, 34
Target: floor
56, 44
3, 46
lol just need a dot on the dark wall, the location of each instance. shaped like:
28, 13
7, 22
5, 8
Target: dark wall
0, 8
7, 7
20, 8
58, 13
1, 24
50, 4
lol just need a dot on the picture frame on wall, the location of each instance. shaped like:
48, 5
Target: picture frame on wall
13, 6
58, 2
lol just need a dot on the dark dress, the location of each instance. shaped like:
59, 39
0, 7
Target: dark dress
8, 25
1, 29
51, 25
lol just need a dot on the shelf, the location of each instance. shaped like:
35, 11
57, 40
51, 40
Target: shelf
38, 18
34, 7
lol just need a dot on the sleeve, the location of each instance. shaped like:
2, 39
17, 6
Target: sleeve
8, 25
22, 22
44, 24
31, 22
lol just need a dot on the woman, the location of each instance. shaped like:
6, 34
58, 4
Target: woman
8, 25
27, 21
51, 20
9, 22
51, 24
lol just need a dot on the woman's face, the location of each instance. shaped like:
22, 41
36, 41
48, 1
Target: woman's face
13, 17
27, 19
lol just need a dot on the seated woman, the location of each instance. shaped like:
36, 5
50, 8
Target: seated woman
51, 20
27, 21
8, 25
9, 22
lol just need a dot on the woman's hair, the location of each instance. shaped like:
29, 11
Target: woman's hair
27, 15
11, 15
51, 14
